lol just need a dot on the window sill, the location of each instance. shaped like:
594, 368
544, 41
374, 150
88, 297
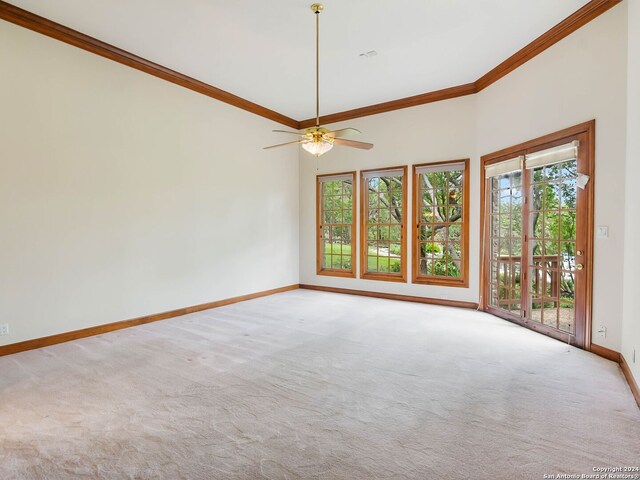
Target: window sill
385, 277
337, 273
441, 281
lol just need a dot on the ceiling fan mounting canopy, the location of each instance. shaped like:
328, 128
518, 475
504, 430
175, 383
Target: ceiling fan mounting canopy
316, 132
319, 140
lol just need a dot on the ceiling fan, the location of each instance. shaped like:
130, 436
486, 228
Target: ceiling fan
319, 140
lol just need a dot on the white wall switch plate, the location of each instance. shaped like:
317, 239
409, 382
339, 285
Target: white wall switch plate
602, 231
4, 329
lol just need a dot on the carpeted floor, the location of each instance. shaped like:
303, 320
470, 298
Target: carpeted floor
315, 385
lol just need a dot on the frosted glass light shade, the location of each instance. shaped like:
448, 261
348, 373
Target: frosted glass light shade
318, 148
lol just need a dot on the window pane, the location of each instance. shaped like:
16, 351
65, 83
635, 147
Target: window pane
505, 214
455, 232
552, 259
395, 233
336, 223
453, 269
384, 224
441, 222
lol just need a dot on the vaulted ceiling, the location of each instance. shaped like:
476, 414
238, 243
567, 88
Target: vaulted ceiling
264, 51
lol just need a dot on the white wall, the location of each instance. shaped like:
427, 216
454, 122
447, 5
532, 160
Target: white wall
123, 195
631, 318
581, 78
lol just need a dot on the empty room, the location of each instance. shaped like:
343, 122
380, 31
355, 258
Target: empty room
338, 240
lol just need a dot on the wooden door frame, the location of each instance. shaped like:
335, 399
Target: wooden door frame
586, 129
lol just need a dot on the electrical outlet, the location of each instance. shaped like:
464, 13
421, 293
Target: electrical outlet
602, 331
4, 329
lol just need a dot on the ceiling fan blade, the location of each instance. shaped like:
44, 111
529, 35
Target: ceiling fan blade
351, 143
286, 131
284, 144
344, 132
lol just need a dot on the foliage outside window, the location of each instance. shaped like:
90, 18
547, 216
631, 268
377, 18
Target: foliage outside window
336, 225
552, 244
383, 220
440, 223
505, 236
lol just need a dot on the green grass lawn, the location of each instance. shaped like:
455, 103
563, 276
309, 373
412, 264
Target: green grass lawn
334, 248
383, 264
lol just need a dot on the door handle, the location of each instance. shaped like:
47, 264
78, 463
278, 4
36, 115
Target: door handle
579, 266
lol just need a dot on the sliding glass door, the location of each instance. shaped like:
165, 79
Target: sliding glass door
537, 239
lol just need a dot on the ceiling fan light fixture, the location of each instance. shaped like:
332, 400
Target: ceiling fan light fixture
318, 148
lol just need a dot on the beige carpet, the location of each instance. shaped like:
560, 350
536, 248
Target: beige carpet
315, 385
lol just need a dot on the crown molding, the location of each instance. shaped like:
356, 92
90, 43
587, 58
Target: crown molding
39, 24
573, 22
429, 97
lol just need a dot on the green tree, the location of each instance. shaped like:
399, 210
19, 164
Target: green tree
441, 209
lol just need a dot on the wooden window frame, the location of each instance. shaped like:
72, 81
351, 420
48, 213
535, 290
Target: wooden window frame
438, 280
364, 215
320, 222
